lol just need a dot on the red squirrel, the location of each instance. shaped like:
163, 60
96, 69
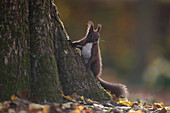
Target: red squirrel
90, 50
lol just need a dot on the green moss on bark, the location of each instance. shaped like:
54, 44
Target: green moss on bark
47, 79
43, 48
14, 38
43, 65
74, 77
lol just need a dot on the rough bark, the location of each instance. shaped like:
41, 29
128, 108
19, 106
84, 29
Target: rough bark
45, 84
14, 47
34, 52
74, 76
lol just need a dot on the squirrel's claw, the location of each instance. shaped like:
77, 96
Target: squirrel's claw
71, 43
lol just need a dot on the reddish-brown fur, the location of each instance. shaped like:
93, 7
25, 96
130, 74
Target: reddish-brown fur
95, 63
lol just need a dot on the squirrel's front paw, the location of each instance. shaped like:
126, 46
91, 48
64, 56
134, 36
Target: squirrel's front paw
69, 41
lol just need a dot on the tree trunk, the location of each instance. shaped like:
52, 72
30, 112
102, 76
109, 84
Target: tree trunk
45, 83
14, 47
74, 76
35, 54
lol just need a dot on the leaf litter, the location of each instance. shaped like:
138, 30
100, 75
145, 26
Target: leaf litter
79, 104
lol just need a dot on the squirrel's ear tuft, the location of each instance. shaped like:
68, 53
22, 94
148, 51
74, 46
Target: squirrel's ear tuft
99, 27
90, 26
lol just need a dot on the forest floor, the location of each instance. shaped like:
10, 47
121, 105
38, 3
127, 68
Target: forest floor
81, 104
141, 92
140, 100
150, 96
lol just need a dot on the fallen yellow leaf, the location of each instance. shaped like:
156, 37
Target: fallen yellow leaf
95, 102
46, 109
82, 98
35, 106
90, 101
13, 97
68, 97
22, 111
76, 111
115, 98
133, 111
125, 102
80, 108
158, 105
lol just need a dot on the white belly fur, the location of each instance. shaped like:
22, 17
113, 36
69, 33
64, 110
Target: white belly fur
86, 51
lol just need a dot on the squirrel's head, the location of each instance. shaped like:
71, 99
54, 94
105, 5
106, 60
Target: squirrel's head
93, 35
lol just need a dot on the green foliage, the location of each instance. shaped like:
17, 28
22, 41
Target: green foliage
157, 74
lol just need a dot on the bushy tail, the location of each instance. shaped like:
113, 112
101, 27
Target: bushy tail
119, 90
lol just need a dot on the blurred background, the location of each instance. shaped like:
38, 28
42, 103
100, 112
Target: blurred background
135, 41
